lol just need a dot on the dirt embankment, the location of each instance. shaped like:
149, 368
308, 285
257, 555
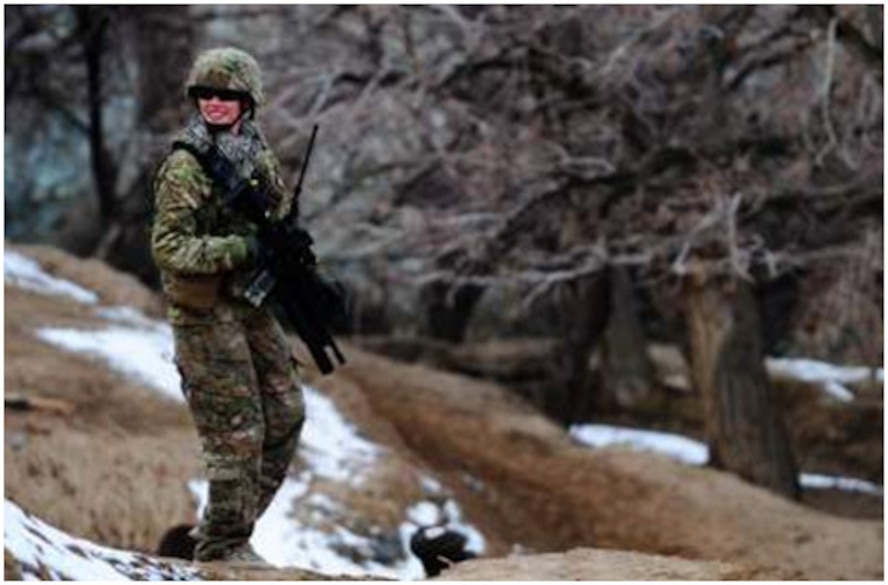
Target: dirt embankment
541, 490
518, 477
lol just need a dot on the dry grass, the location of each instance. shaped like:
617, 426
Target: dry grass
114, 469
125, 491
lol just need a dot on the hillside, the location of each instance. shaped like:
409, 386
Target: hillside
99, 446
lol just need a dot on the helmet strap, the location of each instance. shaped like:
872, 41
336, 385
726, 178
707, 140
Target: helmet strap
248, 107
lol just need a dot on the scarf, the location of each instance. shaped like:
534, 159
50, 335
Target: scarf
241, 149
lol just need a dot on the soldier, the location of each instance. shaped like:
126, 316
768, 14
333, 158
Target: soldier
238, 373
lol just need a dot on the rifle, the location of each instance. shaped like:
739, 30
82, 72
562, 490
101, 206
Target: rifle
286, 267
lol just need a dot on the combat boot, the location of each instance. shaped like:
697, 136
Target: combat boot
246, 557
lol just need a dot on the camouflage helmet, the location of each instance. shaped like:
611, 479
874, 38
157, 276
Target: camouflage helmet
227, 68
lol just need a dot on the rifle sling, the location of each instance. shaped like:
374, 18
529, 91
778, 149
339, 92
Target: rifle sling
218, 168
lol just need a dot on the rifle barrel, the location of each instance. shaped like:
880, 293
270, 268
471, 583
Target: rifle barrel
311, 140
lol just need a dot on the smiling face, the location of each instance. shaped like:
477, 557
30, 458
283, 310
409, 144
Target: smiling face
219, 112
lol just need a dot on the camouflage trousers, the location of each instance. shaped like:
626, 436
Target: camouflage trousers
244, 395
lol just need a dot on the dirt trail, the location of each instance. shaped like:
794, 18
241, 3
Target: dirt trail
543, 491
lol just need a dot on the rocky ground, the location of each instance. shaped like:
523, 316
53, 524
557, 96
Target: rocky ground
103, 457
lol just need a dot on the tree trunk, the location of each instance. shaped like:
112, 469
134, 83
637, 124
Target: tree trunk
746, 432
627, 373
92, 23
449, 309
876, 22
163, 39
585, 310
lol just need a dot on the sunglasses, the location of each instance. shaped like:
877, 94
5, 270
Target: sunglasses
225, 95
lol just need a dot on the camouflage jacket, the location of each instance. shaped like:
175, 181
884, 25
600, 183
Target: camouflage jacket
199, 245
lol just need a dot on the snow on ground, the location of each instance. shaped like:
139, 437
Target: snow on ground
830, 377
835, 482
139, 352
26, 273
674, 446
432, 512
331, 447
45, 553
692, 452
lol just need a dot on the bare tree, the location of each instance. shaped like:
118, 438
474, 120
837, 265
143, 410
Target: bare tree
733, 139
747, 434
92, 24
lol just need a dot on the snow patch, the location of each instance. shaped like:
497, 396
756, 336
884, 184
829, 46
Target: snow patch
140, 353
424, 514
674, 446
331, 445
26, 273
431, 485
44, 552
831, 378
692, 452
835, 482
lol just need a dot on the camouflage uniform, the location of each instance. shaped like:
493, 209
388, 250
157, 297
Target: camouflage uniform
237, 369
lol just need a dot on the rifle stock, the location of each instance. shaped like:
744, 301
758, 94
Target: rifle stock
310, 329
